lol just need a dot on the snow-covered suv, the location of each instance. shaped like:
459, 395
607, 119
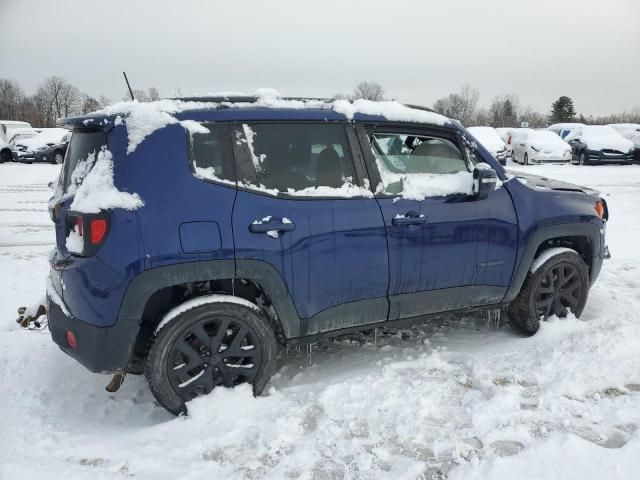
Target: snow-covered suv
197, 236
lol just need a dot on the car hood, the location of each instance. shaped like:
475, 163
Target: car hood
544, 183
601, 142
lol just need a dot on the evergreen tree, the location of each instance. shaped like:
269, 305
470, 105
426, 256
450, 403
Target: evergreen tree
510, 118
562, 110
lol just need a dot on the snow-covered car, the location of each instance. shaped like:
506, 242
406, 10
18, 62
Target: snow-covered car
540, 146
632, 132
7, 126
563, 129
50, 145
489, 138
599, 144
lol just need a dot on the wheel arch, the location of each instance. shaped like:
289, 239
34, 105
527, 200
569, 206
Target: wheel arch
583, 238
154, 292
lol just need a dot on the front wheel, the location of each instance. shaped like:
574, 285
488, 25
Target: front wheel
583, 159
559, 285
58, 158
5, 156
218, 344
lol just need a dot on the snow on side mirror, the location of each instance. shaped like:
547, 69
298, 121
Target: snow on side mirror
485, 180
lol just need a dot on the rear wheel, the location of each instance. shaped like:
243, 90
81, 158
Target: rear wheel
559, 285
209, 346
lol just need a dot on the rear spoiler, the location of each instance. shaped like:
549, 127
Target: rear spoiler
90, 122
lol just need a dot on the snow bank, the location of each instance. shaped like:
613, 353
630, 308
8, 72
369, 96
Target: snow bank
142, 119
74, 241
96, 191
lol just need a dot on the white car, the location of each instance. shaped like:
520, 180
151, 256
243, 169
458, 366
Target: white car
630, 131
540, 146
564, 129
599, 144
489, 138
7, 126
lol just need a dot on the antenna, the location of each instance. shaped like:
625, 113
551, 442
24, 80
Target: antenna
129, 86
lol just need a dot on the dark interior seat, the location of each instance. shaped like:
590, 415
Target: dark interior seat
329, 169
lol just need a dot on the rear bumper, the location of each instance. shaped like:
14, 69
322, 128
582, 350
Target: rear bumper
99, 349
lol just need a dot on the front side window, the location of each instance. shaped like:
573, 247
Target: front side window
295, 159
419, 166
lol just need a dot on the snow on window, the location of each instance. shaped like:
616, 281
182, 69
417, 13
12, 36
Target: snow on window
97, 191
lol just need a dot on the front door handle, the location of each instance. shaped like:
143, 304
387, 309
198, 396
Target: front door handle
410, 218
269, 224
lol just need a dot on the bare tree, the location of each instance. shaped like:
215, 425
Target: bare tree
89, 104
154, 94
56, 98
459, 106
503, 111
532, 118
368, 91
104, 101
11, 96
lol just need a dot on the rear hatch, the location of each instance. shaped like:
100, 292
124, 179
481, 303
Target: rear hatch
83, 143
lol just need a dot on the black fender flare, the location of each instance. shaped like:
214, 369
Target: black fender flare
150, 281
589, 230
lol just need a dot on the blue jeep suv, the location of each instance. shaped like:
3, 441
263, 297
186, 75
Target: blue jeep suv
197, 236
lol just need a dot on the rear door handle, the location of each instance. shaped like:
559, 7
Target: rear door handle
269, 224
411, 218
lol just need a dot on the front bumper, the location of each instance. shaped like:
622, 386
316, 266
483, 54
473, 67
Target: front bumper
99, 349
601, 157
542, 158
31, 157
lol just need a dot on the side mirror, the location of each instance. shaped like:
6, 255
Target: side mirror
485, 180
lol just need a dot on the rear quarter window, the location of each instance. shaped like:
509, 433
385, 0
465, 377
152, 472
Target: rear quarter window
82, 144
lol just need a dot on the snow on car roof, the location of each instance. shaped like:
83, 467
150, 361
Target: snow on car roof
142, 119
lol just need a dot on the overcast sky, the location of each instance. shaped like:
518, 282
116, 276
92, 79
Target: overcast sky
418, 50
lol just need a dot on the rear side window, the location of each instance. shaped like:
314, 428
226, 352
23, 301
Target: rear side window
297, 159
82, 144
211, 154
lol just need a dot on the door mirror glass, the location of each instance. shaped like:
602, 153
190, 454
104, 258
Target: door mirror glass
485, 180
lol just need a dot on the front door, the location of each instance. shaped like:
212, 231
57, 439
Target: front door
437, 232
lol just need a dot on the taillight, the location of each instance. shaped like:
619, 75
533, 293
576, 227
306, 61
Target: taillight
98, 230
600, 209
90, 231
71, 339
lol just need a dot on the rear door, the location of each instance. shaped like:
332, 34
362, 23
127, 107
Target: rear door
303, 209
438, 234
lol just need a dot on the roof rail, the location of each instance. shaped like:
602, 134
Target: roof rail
242, 99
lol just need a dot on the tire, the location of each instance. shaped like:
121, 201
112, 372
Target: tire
194, 338
5, 156
583, 160
541, 296
58, 158
526, 159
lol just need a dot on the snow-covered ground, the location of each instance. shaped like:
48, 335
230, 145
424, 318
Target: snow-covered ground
459, 398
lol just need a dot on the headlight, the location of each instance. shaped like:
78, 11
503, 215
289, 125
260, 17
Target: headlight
41, 149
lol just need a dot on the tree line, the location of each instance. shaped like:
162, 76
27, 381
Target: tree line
56, 98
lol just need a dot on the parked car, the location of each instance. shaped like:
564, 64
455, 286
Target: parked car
50, 146
285, 225
599, 144
489, 138
563, 129
540, 146
505, 135
6, 127
632, 132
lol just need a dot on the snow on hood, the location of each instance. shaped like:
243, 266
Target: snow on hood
599, 137
543, 183
547, 141
488, 137
48, 135
142, 119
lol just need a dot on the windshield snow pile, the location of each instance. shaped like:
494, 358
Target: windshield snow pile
94, 188
142, 119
